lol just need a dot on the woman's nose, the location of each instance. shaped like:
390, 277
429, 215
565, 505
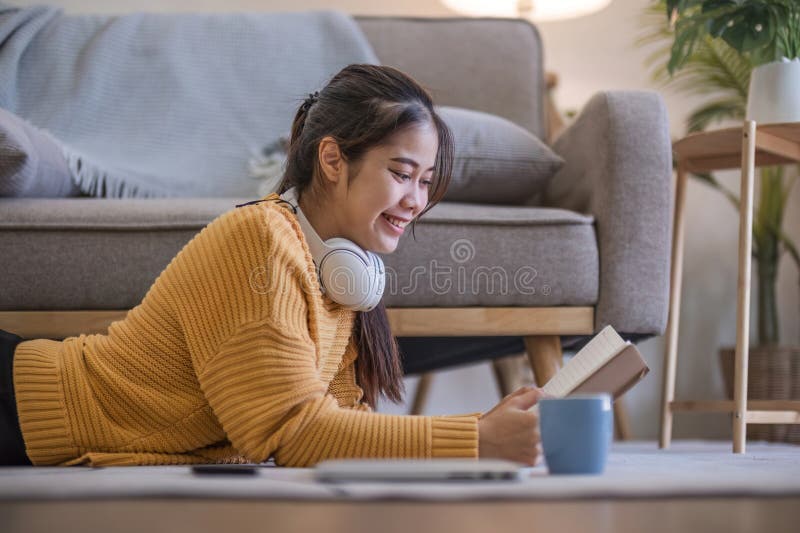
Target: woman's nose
413, 198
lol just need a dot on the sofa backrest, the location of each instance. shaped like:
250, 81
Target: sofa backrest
196, 110
488, 64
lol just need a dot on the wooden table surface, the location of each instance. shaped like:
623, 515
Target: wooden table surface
722, 149
706, 515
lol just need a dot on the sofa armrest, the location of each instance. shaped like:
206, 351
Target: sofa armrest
618, 167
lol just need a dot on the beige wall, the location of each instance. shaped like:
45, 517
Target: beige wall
590, 54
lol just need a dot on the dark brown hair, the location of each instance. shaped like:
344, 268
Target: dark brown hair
361, 107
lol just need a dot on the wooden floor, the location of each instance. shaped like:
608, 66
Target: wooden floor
729, 515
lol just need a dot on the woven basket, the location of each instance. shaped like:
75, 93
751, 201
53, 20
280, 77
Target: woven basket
773, 374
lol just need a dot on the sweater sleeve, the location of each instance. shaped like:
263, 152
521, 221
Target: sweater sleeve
265, 388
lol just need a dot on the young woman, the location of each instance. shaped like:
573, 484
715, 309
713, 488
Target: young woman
236, 353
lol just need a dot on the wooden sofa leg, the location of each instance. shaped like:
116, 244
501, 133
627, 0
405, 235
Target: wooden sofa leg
500, 369
421, 394
511, 372
545, 356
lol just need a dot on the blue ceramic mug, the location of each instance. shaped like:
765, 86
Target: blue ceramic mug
577, 432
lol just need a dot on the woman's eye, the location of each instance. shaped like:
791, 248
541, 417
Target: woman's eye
401, 175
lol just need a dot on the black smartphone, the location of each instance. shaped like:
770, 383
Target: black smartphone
246, 470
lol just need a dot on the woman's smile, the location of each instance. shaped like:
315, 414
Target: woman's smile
396, 225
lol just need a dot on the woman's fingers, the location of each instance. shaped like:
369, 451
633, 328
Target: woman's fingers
522, 390
526, 399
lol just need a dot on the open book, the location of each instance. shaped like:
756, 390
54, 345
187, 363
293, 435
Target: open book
606, 364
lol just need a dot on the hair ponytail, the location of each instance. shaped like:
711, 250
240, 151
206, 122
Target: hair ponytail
361, 107
378, 366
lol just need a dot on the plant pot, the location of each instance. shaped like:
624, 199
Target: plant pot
773, 374
774, 94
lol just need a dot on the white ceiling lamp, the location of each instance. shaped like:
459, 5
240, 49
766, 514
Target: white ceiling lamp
537, 10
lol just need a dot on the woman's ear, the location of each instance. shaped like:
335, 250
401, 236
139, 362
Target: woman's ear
331, 160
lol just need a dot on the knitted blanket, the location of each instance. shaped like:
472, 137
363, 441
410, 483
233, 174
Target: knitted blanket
153, 104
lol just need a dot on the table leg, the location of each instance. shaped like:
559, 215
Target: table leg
676, 280
743, 286
421, 394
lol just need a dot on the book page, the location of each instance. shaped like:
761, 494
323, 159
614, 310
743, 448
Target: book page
586, 362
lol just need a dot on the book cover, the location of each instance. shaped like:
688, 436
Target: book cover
606, 364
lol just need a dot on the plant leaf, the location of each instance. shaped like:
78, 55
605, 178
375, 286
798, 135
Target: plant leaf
701, 118
790, 247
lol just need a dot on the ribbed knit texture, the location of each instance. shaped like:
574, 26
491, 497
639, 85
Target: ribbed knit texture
233, 355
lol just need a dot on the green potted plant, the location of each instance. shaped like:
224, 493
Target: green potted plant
698, 58
766, 32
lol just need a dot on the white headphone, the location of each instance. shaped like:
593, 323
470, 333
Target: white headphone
349, 275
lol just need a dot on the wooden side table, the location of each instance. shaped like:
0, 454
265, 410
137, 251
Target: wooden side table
747, 147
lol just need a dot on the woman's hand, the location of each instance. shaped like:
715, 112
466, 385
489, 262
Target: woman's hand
509, 431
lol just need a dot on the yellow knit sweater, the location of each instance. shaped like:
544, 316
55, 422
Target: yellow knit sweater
233, 355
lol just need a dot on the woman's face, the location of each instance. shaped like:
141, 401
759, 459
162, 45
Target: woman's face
389, 189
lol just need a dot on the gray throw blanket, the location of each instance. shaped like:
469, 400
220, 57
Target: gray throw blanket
168, 104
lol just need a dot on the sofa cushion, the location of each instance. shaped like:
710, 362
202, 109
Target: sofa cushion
496, 161
86, 253
31, 161
489, 255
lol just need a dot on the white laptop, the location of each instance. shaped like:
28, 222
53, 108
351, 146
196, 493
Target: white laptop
335, 470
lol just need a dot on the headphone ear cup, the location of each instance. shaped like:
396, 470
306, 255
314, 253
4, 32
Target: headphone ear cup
378, 283
345, 273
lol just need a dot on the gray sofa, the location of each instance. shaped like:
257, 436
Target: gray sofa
598, 237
